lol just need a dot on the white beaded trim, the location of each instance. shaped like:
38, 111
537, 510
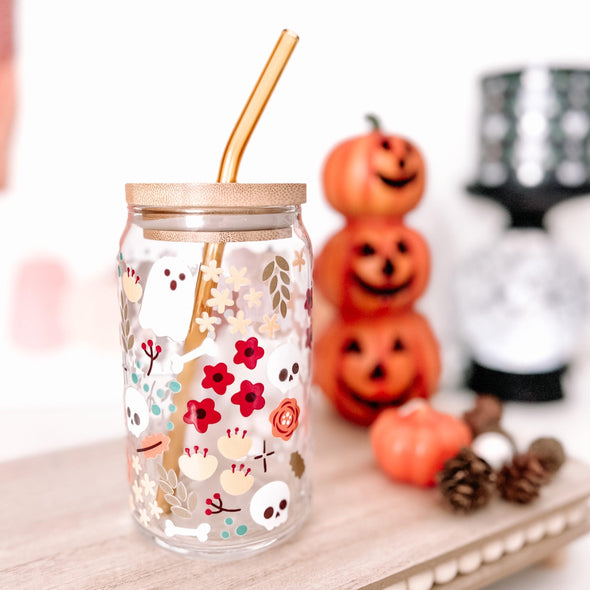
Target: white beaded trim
492, 551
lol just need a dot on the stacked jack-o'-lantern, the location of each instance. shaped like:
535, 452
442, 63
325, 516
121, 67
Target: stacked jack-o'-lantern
378, 352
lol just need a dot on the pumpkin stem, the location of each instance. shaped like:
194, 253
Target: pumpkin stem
374, 121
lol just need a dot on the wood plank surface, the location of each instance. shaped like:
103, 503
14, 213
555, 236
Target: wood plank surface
66, 524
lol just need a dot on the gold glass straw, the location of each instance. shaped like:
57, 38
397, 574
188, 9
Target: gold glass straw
228, 172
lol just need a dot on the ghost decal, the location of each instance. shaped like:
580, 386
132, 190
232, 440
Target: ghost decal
284, 367
168, 299
269, 506
136, 411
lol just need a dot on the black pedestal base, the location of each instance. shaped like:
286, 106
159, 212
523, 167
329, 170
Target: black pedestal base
535, 387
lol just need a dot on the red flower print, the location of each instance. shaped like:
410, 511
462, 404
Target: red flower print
249, 398
217, 378
201, 414
308, 301
248, 352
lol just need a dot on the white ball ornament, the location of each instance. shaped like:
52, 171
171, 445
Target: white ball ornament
494, 447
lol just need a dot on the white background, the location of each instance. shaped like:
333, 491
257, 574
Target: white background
136, 91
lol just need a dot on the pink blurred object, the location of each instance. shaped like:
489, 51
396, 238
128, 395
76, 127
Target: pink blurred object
7, 86
38, 311
52, 309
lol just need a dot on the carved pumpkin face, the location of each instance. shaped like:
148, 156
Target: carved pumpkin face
374, 174
373, 266
367, 365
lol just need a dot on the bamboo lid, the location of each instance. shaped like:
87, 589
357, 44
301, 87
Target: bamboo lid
215, 194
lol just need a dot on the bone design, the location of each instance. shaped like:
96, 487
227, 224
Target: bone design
208, 347
201, 532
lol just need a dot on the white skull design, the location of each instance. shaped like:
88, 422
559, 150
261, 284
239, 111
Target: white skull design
284, 367
168, 300
269, 506
136, 411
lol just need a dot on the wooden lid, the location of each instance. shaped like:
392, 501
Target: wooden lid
215, 194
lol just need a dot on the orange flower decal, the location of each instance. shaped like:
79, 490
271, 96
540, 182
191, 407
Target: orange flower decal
285, 418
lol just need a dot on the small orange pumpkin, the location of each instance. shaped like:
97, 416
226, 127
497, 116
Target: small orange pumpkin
373, 265
367, 365
374, 174
412, 443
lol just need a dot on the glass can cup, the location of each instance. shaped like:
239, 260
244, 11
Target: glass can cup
215, 296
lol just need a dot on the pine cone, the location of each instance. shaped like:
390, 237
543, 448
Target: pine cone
485, 415
466, 481
549, 452
521, 481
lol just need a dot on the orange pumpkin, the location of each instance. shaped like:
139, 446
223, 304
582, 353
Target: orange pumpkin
372, 266
374, 174
412, 443
367, 365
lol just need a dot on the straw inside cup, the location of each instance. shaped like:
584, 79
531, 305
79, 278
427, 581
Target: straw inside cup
228, 171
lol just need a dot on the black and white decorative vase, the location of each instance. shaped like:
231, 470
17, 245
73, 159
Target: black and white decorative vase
522, 300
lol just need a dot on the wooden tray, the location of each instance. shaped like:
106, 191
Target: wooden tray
66, 524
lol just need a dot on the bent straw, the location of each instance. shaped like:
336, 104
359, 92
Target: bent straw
228, 172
